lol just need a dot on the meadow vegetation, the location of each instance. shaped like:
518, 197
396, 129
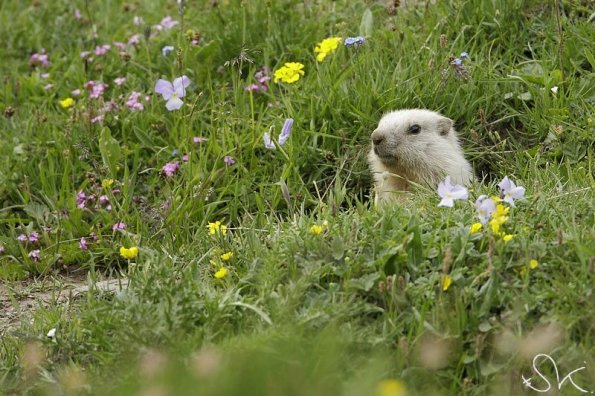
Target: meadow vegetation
254, 264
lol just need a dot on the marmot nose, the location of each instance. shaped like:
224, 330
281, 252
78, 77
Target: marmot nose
377, 138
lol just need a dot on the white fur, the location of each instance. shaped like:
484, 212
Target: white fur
424, 158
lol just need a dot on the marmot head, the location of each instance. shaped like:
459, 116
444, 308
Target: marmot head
408, 136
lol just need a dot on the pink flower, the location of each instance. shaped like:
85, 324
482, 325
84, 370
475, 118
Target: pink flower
185, 158
262, 77
77, 14
86, 55
33, 237
119, 45
97, 119
96, 88
75, 92
170, 169
173, 92
199, 139
47, 87
35, 255
109, 106
168, 23
134, 40
511, 191
103, 200
22, 238
39, 59
119, 226
229, 160
83, 244
81, 199
102, 49
450, 193
120, 80
2, 248
133, 103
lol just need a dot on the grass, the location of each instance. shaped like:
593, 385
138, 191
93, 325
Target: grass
363, 301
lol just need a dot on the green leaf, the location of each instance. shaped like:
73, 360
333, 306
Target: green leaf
110, 150
366, 26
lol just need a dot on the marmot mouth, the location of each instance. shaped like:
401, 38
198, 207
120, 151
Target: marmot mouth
384, 157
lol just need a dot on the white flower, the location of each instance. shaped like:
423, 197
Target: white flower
450, 193
554, 90
485, 207
173, 92
52, 333
511, 191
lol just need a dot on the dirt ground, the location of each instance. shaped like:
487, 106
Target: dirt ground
18, 300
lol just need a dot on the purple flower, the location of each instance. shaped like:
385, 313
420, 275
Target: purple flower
449, 193
511, 191
103, 200
485, 207
170, 168
133, 102
168, 23
120, 80
173, 92
35, 255
33, 237
229, 160
22, 238
166, 50
357, 41
120, 45
199, 139
39, 59
77, 14
81, 199
102, 49
93, 236
185, 158
119, 226
283, 136
83, 244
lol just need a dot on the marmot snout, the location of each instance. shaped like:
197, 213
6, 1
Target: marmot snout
418, 146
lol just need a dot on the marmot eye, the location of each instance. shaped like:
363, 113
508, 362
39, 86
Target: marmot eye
414, 129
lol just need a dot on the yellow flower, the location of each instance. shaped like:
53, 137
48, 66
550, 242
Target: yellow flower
316, 229
222, 273
533, 264
326, 47
523, 271
105, 183
475, 227
66, 103
507, 237
289, 73
129, 253
446, 282
217, 228
496, 198
390, 387
501, 211
227, 256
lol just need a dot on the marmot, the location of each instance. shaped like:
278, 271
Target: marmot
415, 146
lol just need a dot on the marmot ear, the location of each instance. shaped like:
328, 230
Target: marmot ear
444, 126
